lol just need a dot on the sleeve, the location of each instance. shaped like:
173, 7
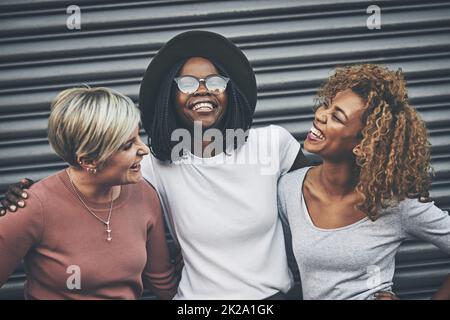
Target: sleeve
288, 148
426, 222
159, 274
147, 169
281, 202
19, 231
282, 213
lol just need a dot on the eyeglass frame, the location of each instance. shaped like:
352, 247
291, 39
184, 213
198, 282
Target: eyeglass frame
202, 80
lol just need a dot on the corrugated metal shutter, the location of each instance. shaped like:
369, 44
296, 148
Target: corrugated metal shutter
291, 44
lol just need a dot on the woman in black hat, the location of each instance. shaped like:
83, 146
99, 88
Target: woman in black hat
221, 201
219, 193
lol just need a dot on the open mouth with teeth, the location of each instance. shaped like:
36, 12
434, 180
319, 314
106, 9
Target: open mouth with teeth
315, 134
203, 107
135, 167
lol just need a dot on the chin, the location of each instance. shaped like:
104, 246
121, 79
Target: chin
308, 147
133, 179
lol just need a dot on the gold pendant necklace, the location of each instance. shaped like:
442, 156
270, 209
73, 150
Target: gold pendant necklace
106, 222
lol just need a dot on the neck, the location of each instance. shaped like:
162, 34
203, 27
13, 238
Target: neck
91, 189
337, 178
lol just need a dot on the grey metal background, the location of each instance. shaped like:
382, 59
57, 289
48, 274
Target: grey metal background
291, 44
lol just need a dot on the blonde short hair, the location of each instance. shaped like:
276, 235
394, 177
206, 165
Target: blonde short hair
90, 122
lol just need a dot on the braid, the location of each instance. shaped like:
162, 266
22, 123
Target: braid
164, 122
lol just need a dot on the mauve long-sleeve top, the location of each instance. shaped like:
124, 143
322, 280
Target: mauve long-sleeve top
65, 251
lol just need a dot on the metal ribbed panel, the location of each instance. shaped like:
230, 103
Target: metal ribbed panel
291, 44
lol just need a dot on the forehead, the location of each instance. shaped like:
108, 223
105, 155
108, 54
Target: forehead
199, 67
350, 102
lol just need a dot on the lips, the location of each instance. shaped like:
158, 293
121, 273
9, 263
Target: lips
136, 166
316, 134
203, 106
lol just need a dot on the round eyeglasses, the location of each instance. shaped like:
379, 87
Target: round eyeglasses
214, 83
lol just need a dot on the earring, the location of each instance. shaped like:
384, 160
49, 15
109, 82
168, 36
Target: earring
91, 170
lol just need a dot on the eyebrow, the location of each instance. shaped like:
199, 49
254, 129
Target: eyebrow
341, 111
129, 140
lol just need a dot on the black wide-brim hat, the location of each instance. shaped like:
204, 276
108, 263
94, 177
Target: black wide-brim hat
196, 43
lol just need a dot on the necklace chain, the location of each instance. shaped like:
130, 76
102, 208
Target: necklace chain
105, 222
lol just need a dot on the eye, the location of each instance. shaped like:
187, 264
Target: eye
336, 118
127, 146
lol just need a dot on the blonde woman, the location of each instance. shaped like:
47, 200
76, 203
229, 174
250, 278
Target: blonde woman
94, 230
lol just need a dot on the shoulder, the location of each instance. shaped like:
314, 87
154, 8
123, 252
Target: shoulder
294, 176
48, 187
292, 180
272, 135
270, 129
413, 208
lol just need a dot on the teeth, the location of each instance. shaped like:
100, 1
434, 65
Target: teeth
317, 133
203, 105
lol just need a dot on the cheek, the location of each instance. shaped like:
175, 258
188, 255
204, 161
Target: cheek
180, 99
223, 100
119, 163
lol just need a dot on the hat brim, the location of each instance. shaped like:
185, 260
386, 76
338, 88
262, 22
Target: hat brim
196, 43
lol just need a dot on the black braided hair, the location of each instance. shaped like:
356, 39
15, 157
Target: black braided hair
239, 113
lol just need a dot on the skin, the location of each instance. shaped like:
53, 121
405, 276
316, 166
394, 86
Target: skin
329, 189
115, 172
199, 68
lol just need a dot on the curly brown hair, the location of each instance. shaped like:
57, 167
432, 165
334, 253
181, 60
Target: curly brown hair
394, 161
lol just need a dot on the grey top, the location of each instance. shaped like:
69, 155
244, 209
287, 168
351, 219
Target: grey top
355, 261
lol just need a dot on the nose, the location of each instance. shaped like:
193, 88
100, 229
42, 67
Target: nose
143, 149
320, 116
201, 88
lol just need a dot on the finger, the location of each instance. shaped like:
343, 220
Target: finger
18, 190
13, 199
8, 205
425, 197
2, 211
26, 183
383, 298
383, 295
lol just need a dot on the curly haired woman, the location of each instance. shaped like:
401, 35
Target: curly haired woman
349, 215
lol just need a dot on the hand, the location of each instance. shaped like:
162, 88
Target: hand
385, 295
14, 196
423, 197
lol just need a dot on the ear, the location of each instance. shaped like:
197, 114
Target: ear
87, 163
357, 150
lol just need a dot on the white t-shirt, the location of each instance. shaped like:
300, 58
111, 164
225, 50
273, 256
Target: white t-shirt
224, 212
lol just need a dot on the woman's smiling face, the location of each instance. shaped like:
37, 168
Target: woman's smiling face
202, 105
336, 127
